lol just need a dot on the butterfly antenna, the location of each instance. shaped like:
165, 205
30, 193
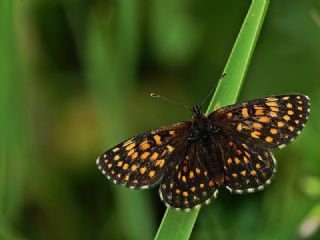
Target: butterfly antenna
211, 91
169, 100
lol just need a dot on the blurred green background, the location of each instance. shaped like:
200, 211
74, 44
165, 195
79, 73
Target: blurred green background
75, 78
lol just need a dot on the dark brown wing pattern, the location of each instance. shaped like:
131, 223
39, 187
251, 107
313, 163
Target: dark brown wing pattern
189, 183
270, 122
140, 162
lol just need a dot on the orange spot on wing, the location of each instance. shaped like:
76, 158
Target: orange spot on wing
152, 173
163, 153
172, 133
253, 172
273, 114
273, 131
237, 161
160, 163
154, 156
238, 151
126, 143
245, 112
144, 145
115, 149
229, 114
290, 112
269, 139
143, 170
184, 179
144, 155
264, 119
291, 128
257, 125
157, 139
134, 167
211, 183
129, 147
170, 148
134, 155
125, 166
255, 134
130, 152
272, 104
286, 117
259, 112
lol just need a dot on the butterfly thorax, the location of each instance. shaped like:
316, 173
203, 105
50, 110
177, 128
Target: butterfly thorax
202, 127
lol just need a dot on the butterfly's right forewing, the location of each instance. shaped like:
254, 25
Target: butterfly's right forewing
140, 162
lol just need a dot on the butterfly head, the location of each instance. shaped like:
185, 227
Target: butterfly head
197, 113
201, 123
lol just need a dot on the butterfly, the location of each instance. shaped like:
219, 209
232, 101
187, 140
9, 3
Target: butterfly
228, 148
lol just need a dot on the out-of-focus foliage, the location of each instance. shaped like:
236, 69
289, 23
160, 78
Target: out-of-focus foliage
75, 78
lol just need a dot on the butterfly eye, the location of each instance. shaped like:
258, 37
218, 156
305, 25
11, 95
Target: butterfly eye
214, 128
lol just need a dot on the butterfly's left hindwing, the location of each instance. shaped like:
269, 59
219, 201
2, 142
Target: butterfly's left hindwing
246, 169
140, 162
189, 183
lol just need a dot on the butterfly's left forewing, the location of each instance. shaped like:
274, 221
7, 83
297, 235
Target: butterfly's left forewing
270, 122
140, 162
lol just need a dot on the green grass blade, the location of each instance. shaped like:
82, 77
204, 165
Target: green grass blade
229, 87
178, 225
12, 138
